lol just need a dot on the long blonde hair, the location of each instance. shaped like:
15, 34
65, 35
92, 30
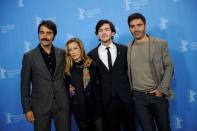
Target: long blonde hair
69, 60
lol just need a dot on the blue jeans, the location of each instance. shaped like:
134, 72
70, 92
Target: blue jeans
152, 111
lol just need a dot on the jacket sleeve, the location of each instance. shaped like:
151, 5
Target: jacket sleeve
26, 84
167, 72
96, 80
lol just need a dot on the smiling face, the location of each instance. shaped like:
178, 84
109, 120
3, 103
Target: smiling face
137, 28
74, 51
46, 36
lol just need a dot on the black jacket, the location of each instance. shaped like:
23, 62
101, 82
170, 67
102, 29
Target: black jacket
85, 103
117, 79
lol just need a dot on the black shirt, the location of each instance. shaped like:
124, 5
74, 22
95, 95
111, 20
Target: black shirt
49, 59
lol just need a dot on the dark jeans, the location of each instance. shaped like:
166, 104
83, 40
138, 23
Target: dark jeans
119, 116
94, 125
152, 111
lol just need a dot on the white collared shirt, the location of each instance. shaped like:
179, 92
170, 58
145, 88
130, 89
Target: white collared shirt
102, 52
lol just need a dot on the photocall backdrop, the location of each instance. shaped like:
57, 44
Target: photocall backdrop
172, 20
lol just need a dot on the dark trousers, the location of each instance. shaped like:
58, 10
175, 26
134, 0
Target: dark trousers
61, 119
119, 116
152, 111
94, 125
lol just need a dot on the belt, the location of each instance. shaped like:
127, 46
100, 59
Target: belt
144, 92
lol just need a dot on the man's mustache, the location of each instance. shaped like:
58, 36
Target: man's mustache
45, 39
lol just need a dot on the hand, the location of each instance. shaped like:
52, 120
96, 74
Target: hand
157, 93
87, 62
30, 116
71, 89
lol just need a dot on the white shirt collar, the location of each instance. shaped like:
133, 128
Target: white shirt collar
103, 53
103, 47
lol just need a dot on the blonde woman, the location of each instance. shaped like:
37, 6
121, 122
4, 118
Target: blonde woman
81, 78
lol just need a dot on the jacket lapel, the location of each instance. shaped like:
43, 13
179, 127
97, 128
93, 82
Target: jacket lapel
99, 61
118, 56
41, 64
151, 48
58, 61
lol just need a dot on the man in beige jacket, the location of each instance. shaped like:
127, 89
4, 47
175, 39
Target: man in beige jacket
150, 70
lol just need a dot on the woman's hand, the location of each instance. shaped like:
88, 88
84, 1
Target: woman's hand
71, 90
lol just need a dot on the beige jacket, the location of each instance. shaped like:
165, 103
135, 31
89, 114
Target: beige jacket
161, 64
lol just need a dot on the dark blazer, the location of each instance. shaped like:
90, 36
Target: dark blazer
38, 87
86, 104
117, 78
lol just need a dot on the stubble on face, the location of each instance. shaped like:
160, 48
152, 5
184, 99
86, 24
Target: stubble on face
137, 29
46, 36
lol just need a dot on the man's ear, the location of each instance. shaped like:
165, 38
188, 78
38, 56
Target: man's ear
113, 34
145, 26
